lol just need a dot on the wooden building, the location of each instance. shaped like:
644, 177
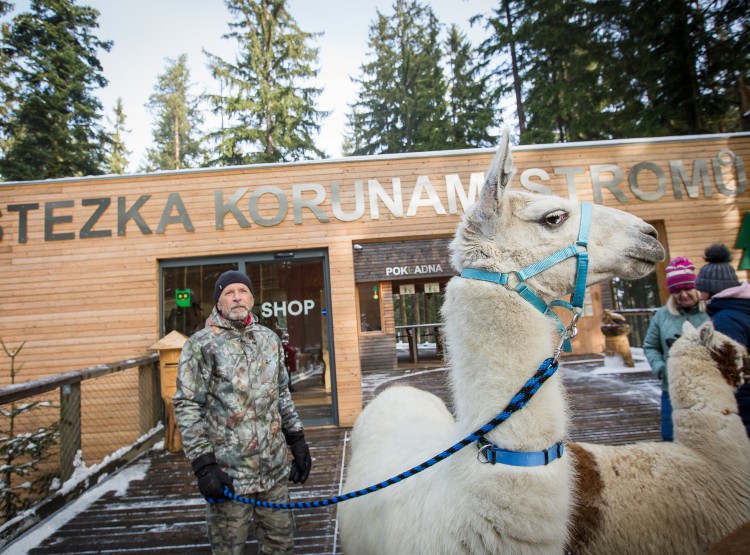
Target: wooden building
97, 269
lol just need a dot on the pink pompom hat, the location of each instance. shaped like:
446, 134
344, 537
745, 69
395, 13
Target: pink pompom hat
680, 274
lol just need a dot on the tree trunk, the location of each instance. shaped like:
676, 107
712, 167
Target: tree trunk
516, 78
177, 142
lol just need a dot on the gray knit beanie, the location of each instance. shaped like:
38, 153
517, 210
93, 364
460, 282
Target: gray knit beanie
228, 278
717, 274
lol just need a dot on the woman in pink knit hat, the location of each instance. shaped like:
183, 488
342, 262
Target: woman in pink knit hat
666, 325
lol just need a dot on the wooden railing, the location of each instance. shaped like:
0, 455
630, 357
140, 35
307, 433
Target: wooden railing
420, 332
106, 416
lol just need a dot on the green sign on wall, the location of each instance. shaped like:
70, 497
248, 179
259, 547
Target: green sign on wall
743, 242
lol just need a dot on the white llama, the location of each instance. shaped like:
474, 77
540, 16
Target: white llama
495, 341
673, 498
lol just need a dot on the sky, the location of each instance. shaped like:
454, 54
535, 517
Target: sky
148, 32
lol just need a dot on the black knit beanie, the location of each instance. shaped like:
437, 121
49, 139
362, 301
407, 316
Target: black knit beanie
717, 274
228, 278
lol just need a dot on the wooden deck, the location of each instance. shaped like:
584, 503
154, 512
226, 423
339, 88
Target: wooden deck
160, 511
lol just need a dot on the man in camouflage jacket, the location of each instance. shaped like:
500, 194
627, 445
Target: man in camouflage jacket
236, 417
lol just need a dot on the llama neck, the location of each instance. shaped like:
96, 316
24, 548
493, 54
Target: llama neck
496, 341
704, 405
696, 384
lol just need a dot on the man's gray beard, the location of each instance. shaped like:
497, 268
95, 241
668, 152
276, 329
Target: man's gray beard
238, 321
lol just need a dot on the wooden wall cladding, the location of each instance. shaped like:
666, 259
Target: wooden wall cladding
81, 286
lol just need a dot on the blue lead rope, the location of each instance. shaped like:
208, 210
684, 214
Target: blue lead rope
546, 370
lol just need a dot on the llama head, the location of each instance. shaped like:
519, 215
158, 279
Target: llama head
729, 357
506, 230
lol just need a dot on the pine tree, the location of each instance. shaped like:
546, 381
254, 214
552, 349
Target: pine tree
506, 75
401, 105
728, 63
5, 79
472, 100
660, 45
565, 74
176, 130
117, 152
599, 70
23, 450
687, 65
267, 102
54, 125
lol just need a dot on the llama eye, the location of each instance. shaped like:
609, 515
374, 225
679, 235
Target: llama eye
555, 218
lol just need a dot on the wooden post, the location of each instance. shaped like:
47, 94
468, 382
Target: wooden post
170, 348
70, 427
148, 395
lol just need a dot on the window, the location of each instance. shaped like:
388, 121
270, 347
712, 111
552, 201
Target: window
369, 307
188, 295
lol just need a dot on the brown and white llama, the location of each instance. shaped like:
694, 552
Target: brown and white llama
676, 497
495, 341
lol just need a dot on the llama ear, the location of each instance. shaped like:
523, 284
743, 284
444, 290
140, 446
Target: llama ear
688, 328
706, 333
498, 178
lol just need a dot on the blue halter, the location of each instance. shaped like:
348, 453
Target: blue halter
579, 292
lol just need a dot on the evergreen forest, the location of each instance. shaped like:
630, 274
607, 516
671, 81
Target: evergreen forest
555, 70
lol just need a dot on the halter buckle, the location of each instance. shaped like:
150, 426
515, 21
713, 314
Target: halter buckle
481, 452
568, 333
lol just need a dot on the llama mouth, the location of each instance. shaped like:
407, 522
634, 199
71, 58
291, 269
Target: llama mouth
639, 264
649, 252
646, 259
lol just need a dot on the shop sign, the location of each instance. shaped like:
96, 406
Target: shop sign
286, 308
398, 271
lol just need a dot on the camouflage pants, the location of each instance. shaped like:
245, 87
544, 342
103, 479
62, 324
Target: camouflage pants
230, 523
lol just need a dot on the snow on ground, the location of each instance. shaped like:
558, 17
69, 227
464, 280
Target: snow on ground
612, 365
615, 365
608, 368
117, 483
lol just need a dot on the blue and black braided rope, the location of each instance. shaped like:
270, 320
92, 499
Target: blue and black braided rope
546, 370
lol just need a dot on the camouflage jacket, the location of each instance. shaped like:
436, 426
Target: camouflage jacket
233, 400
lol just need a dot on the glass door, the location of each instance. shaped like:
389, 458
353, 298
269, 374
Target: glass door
291, 298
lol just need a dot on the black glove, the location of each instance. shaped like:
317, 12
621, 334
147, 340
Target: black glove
301, 453
211, 478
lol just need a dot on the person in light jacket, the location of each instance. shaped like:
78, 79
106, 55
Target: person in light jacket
236, 417
684, 304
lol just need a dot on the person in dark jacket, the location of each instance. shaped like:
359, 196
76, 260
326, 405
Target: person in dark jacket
728, 305
290, 358
684, 304
236, 417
